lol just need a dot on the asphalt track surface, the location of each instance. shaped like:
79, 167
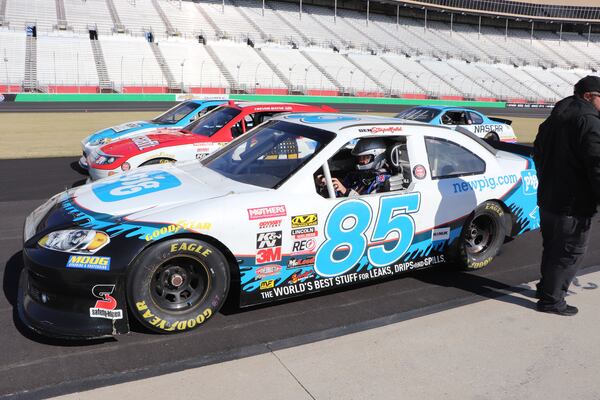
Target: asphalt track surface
32, 366
161, 106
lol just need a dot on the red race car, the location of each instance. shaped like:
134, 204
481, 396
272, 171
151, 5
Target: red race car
194, 141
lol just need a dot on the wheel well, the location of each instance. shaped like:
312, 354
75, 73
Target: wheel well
508, 219
154, 160
234, 271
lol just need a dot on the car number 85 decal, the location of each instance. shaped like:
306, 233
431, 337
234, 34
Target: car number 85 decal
347, 224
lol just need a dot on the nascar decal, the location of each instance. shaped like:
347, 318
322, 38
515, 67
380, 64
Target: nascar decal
488, 128
134, 185
106, 306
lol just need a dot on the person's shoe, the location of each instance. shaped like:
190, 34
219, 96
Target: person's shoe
567, 311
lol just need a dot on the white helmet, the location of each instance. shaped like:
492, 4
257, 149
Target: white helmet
373, 147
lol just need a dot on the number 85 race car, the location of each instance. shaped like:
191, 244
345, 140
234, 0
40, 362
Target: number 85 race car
166, 244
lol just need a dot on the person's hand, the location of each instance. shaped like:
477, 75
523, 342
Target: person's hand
337, 185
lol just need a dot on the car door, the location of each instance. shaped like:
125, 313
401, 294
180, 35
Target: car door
363, 237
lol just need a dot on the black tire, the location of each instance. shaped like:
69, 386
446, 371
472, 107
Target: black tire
177, 285
481, 237
492, 137
155, 161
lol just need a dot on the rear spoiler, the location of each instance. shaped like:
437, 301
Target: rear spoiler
516, 148
501, 120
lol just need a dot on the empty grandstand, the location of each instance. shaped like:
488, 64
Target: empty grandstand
431, 48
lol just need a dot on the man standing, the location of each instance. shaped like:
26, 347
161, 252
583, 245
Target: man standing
567, 160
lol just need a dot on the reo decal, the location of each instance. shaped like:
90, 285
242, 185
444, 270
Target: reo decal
89, 262
266, 212
133, 185
106, 306
301, 221
304, 246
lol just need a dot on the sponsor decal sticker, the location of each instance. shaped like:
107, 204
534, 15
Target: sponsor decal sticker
303, 233
106, 306
89, 262
266, 212
298, 277
144, 142
530, 181
181, 325
301, 221
440, 234
268, 239
294, 263
267, 270
419, 171
269, 224
133, 185
268, 284
304, 246
191, 247
381, 129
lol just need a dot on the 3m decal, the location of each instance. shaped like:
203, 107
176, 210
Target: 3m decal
345, 230
268, 255
89, 262
266, 212
106, 306
134, 185
530, 181
301, 221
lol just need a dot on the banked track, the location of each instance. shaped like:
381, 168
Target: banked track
33, 366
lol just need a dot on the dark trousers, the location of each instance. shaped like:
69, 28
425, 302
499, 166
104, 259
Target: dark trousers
565, 240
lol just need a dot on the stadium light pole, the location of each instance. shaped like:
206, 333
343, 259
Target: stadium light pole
238, 75
351, 75
121, 73
263, 8
54, 64
6, 68
290, 76
334, 11
392, 81
77, 61
256, 73
202, 83
306, 75
301, 10
142, 75
182, 64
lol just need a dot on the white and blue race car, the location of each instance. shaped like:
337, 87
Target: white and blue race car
489, 128
260, 220
175, 118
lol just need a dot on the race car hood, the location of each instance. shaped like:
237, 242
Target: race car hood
153, 189
144, 143
117, 131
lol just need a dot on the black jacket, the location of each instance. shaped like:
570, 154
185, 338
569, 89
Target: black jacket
567, 158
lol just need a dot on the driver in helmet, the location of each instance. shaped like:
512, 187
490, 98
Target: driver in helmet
371, 174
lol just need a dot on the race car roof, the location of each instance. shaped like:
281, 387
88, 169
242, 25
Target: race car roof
443, 108
336, 122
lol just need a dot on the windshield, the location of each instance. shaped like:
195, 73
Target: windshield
270, 154
210, 123
421, 114
176, 113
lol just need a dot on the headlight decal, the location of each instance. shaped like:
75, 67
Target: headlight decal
80, 241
